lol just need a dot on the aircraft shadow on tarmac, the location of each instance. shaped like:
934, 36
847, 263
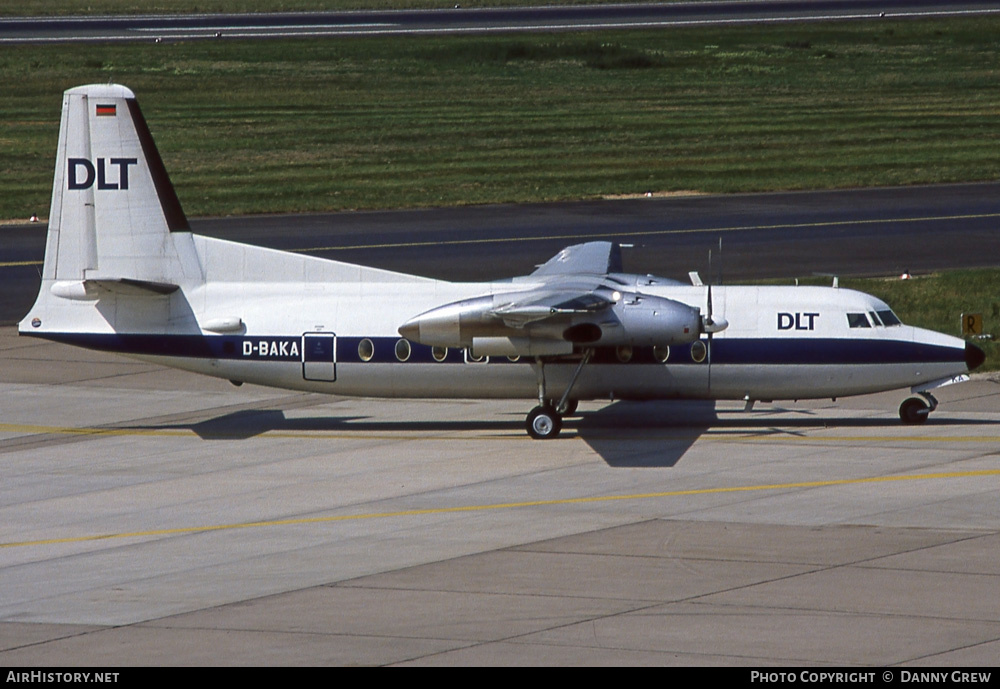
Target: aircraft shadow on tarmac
659, 434
624, 434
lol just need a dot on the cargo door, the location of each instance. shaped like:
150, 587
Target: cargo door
319, 357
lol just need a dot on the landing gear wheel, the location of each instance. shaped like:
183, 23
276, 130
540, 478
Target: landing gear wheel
571, 406
543, 423
914, 411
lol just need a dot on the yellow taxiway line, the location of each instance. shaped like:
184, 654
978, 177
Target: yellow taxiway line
507, 506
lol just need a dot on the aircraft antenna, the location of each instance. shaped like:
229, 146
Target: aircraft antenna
708, 298
720, 259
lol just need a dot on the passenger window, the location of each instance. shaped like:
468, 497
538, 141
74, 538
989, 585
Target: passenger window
858, 320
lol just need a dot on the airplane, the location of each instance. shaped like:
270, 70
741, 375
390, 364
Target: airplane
124, 273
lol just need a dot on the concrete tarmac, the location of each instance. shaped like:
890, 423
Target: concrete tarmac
152, 517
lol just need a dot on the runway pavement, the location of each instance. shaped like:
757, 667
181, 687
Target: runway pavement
466, 20
879, 231
149, 517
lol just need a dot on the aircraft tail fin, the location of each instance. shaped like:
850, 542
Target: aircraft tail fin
115, 218
120, 256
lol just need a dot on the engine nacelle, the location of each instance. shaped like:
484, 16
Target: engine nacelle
640, 320
455, 324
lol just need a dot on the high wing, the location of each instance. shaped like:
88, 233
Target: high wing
577, 298
596, 258
567, 291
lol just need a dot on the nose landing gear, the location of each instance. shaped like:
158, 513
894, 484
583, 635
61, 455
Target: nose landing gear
915, 410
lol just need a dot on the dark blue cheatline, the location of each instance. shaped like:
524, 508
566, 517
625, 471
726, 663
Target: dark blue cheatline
745, 351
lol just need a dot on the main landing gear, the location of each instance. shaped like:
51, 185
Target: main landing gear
545, 420
915, 410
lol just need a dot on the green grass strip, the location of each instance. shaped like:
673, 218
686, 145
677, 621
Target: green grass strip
329, 124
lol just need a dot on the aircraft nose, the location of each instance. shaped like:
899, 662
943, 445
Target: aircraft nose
974, 356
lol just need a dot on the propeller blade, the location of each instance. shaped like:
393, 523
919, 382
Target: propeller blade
710, 324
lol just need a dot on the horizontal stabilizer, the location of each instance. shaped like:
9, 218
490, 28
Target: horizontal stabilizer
133, 287
85, 290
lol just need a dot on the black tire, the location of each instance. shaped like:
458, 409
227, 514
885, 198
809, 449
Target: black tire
914, 411
543, 423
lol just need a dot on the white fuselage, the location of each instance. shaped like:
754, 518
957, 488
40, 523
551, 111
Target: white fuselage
324, 326
124, 273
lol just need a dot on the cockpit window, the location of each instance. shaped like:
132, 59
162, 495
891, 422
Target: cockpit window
858, 320
875, 319
889, 318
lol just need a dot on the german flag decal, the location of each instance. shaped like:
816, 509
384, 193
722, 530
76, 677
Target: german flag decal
106, 110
